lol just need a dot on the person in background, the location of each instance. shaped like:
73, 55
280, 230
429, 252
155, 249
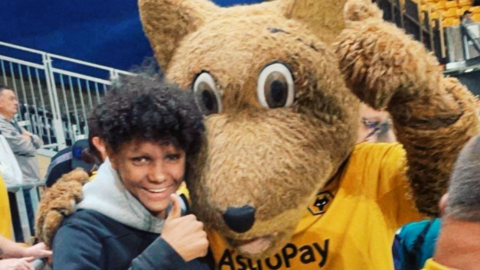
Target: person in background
467, 17
458, 246
375, 126
453, 244
24, 146
468, 35
87, 154
23, 143
130, 216
18, 257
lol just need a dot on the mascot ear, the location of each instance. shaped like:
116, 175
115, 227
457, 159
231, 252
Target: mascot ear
166, 22
323, 17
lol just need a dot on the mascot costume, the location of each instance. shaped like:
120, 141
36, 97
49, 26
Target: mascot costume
280, 183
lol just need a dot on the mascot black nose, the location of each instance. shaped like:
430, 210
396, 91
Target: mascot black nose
240, 219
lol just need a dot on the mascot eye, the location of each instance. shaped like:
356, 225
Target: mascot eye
275, 86
206, 94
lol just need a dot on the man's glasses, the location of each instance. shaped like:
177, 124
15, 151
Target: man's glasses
373, 125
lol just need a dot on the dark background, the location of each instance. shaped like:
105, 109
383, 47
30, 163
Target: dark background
105, 32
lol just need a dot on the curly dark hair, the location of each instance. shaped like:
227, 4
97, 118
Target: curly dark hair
143, 107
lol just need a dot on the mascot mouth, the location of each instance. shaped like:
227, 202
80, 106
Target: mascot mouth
254, 245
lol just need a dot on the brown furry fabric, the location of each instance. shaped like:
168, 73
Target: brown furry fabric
57, 202
176, 22
277, 159
320, 16
359, 10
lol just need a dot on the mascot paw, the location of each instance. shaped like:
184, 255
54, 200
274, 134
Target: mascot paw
58, 202
381, 63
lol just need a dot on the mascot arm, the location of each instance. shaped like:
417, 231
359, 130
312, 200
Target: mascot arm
58, 202
433, 116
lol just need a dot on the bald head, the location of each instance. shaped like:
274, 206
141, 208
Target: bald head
464, 190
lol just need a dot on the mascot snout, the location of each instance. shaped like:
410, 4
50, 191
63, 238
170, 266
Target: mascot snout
240, 219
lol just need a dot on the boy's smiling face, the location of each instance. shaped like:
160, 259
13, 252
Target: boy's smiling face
150, 171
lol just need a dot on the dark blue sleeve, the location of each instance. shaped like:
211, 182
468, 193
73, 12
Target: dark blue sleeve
161, 256
60, 164
55, 172
76, 247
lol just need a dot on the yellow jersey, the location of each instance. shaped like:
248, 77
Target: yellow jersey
432, 265
5, 215
93, 175
349, 225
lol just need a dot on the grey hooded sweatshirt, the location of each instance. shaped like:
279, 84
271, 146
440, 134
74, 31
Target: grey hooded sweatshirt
113, 230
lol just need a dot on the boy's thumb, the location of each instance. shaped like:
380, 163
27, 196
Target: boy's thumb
176, 210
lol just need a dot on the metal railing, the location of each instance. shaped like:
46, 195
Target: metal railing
17, 190
54, 96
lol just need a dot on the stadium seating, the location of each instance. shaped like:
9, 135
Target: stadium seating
451, 4
434, 15
450, 13
441, 5
475, 10
463, 3
450, 22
